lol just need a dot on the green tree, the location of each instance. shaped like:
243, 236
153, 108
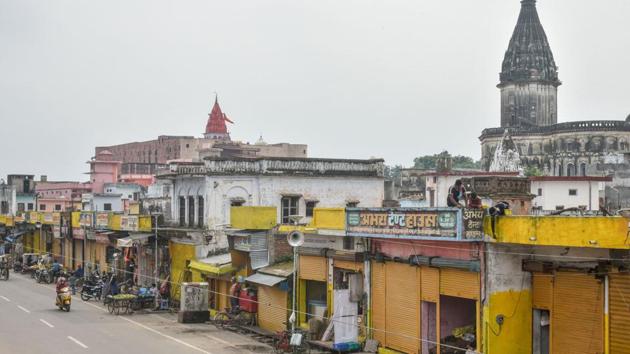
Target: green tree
531, 171
459, 161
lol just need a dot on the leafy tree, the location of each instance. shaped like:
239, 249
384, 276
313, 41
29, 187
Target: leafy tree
429, 162
533, 171
393, 172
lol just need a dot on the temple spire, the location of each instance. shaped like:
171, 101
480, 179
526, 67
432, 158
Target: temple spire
216, 127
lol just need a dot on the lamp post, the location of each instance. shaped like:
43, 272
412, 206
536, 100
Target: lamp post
157, 268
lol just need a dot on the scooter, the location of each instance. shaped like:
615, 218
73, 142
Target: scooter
64, 299
44, 276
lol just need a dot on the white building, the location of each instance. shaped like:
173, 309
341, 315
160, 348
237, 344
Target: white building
562, 192
102, 202
203, 193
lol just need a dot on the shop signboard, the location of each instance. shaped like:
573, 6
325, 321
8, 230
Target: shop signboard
47, 218
102, 220
473, 223
407, 223
102, 238
129, 223
19, 218
33, 217
78, 234
56, 218
85, 219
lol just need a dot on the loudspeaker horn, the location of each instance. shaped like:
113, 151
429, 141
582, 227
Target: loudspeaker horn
295, 238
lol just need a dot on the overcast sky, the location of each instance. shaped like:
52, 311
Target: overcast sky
352, 79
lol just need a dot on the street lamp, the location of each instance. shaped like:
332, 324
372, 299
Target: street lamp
157, 269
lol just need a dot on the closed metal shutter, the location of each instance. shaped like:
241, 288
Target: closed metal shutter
259, 255
272, 308
619, 311
402, 307
350, 265
378, 301
542, 289
430, 284
459, 283
577, 316
312, 268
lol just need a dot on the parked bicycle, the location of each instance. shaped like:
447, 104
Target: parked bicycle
234, 318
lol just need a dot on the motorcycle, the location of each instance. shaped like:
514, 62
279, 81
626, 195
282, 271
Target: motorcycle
92, 289
44, 276
64, 299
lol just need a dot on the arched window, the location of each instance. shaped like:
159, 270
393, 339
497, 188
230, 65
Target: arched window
570, 170
583, 169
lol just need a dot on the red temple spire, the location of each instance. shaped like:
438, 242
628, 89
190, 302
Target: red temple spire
216, 127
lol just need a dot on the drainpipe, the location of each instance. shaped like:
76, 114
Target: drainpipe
606, 315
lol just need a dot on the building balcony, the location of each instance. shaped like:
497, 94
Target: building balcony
563, 231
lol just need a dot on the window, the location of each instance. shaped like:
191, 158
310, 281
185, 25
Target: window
30, 206
583, 169
310, 205
42, 207
107, 206
57, 207
559, 207
4, 207
20, 207
572, 191
289, 208
237, 202
182, 211
200, 216
352, 204
191, 211
348, 243
539, 192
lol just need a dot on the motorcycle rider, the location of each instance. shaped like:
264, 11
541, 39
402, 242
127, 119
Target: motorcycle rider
56, 269
61, 283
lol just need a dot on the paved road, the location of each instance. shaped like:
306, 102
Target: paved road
30, 323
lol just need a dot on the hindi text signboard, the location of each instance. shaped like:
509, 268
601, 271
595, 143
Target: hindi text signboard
403, 223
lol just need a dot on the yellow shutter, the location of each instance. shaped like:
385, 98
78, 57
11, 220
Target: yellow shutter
577, 316
619, 313
459, 283
312, 268
378, 301
430, 281
272, 308
402, 307
350, 265
542, 288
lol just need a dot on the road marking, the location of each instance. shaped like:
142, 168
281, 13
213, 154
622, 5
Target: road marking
23, 309
166, 336
79, 343
5, 298
46, 323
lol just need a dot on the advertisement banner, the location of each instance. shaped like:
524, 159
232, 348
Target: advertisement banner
85, 219
404, 223
47, 218
102, 220
78, 234
129, 223
102, 238
56, 231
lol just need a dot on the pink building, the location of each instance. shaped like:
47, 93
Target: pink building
103, 169
60, 196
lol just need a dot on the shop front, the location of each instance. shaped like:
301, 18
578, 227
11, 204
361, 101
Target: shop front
273, 290
216, 271
425, 280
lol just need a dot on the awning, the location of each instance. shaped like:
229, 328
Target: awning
14, 236
131, 239
264, 279
213, 265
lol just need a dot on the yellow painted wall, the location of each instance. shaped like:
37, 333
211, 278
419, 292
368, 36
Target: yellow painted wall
515, 335
591, 232
253, 217
180, 253
329, 218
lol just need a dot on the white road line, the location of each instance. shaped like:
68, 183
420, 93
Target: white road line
79, 343
5, 298
23, 309
166, 336
46, 323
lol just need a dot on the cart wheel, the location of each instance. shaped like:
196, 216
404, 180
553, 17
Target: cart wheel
110, 307
117, 309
